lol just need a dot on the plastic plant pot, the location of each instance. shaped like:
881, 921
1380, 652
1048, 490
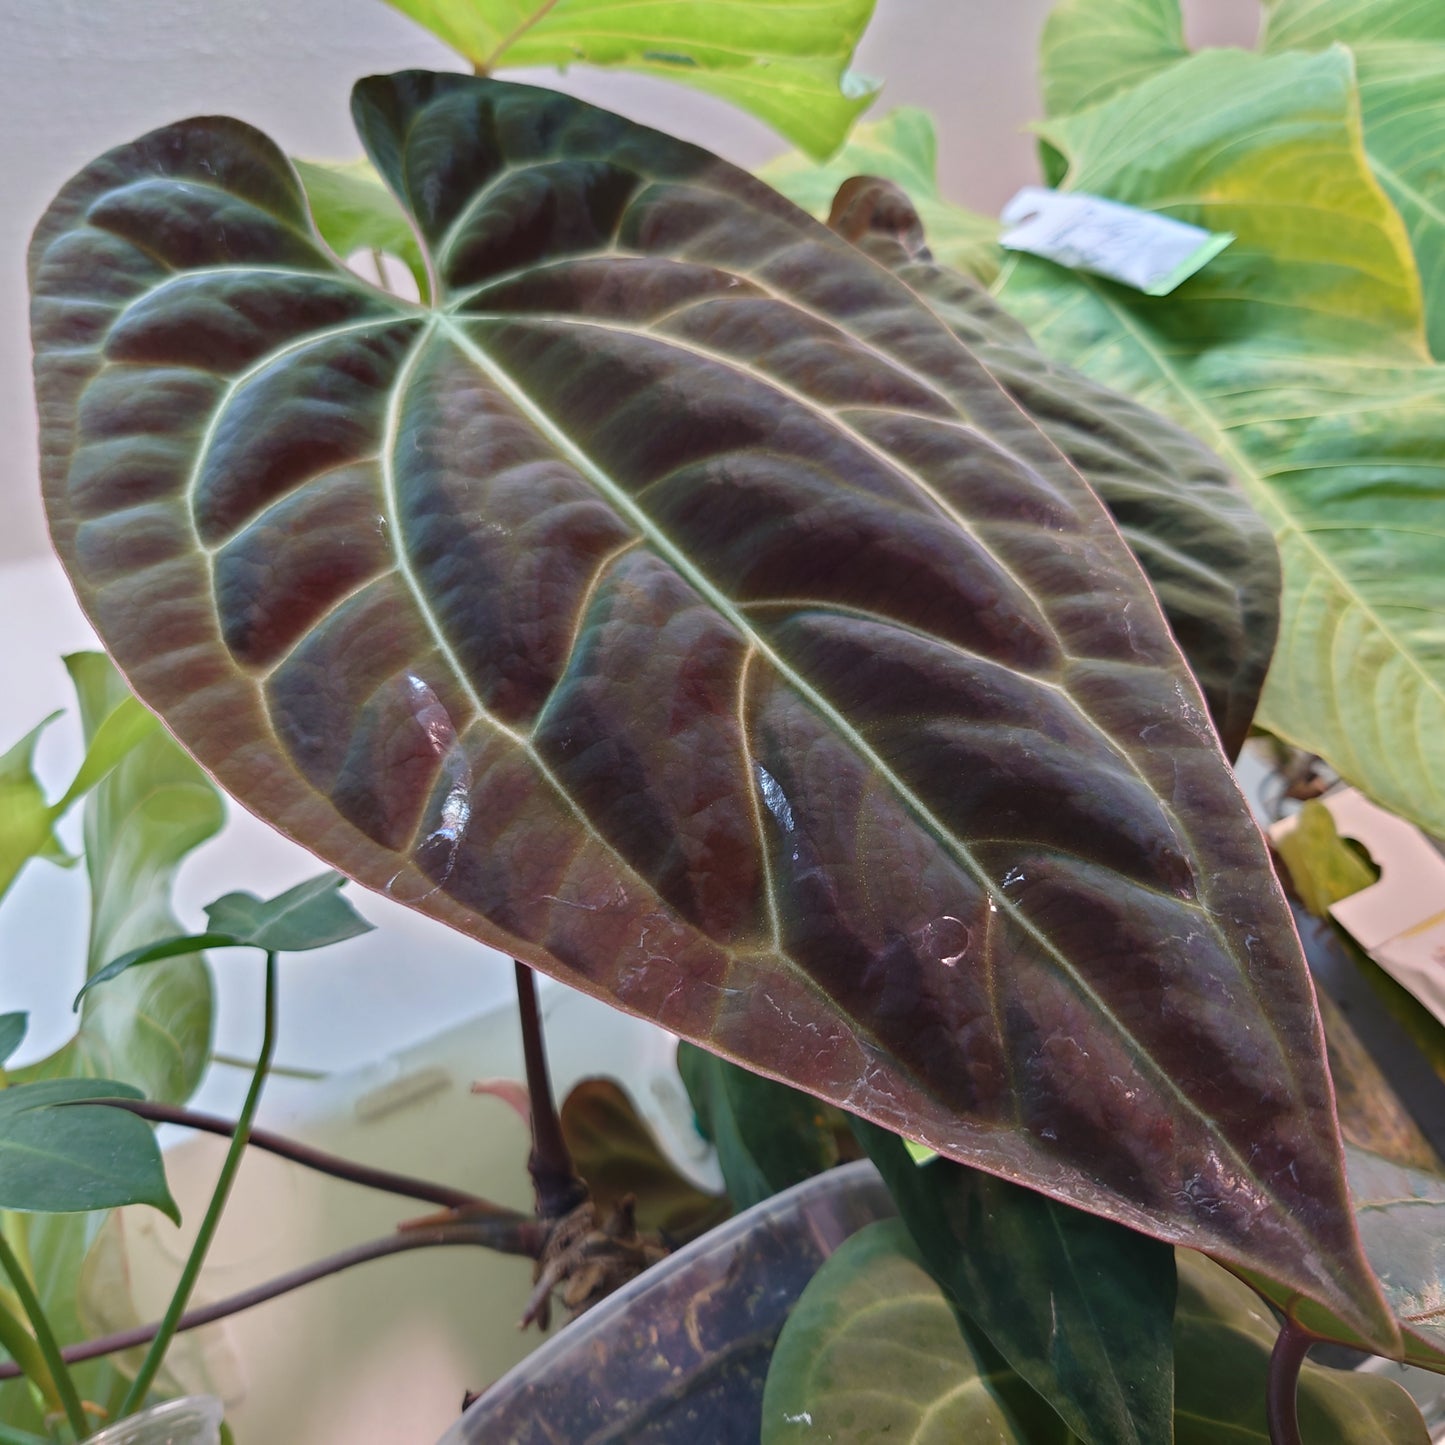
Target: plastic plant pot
191, 1420
681, 1353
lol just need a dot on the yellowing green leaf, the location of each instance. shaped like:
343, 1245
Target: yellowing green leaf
786, 61
1322, 865
1298, 356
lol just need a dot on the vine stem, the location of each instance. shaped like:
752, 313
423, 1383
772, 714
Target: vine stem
554, 1177
187, 1282
521, 1236
1281, 1398
322, 1163
45, 1341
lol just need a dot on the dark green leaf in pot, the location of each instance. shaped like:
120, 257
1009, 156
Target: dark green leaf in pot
60, 1156
1079, 1306
767, 1135
1402, 1218
1223, 1336
12, 1033
313, 914
616, 1154
677, 604
873, 1351
1209, 555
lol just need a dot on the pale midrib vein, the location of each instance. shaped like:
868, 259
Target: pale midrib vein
1224, 443
243, 378
725, 608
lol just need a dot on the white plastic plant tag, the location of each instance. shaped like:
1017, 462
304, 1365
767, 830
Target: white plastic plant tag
1149, 252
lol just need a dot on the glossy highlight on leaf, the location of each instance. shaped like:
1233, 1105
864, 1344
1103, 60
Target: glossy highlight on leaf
679, 605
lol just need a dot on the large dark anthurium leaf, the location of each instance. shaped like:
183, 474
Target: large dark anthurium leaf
675, 602
1208, 554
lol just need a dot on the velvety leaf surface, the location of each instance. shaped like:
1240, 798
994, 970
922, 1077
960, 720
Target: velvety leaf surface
1402, 1218
616, 1154
767, 1135
902, 148
1208, 554
680, 606
786, 61
1298, 356
872, 1351
1399, 50
1080, 1307
1092, 49
60, 1156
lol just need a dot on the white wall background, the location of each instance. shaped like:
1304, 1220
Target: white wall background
78, 76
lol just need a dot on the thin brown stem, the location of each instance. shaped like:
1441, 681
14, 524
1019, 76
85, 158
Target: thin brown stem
517, 1235
338, 1168
554, 1177
1281, 1403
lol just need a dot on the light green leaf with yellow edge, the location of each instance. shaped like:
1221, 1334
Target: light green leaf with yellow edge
1298, 355
785, 61
901, 147
1399, 49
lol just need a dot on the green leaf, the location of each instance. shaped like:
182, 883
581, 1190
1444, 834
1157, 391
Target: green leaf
313, 914
1297, 356
674, 601
186, 943
873, 1351
12, 1033
1402, 1219
1223, 1337
27, 826
1078, 1306
1208, 555
1323, 867
1091, 50
58, 1156
767, 1135
1399, 50
354, 211
153, 1027
901, 147
616, 1154
785, 61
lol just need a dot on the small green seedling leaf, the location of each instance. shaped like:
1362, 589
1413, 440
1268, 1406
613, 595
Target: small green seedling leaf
354, 211
27, 825
60, 1154
153, 953
311, 915
12, 1033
